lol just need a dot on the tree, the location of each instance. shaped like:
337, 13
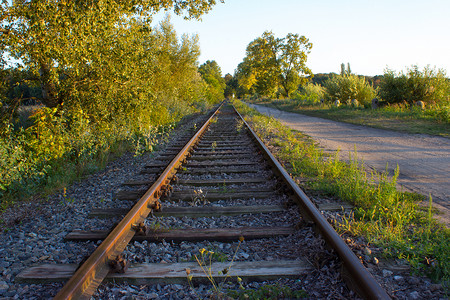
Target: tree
75, 47
320, 78
275, 64
293, 59
231, 87
212, 75
344, 71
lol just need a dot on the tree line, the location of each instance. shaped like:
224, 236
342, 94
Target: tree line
276, 68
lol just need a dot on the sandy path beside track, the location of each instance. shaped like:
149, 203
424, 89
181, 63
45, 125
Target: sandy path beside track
424, 160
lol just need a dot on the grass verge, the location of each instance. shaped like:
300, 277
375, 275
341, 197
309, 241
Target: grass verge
410, 120
386, 217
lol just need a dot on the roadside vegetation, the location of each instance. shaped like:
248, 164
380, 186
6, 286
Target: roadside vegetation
415, 101
72, 99
405, 118
384, 216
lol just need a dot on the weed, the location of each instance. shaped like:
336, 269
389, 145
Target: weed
205, 263
69, 201
214, 146
199, 197
224, 188
239, 125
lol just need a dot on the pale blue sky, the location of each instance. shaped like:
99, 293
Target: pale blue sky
370, 35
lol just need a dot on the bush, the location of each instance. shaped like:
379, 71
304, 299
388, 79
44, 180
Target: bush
348, 87
311, 92
62, 144
430, 86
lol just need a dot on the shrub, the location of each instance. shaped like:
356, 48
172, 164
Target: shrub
310, 91
429, 85
346, 87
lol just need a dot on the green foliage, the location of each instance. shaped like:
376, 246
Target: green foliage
348, 87
429, 85
320, 78
113, 63
60, 145
311, 92
212, 75
274, 65
347, 71
231, 86
15, 89
386, 217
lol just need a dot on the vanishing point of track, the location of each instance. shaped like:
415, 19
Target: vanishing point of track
223, 164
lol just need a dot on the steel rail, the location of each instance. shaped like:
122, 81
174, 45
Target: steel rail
364, 283
91, 273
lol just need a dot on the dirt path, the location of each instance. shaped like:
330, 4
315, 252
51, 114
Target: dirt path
424, 160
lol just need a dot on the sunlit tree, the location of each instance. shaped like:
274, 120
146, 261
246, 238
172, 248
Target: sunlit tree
275, 64
88, 51
211, 73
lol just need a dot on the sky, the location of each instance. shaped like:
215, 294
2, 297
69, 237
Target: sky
370, 35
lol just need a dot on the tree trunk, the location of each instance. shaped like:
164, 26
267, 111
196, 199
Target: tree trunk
49, 91
286, 89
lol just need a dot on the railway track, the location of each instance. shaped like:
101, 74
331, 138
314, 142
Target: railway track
221, 195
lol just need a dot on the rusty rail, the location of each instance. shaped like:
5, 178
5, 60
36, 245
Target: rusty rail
362, 281
92, 272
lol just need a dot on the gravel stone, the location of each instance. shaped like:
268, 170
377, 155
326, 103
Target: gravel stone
3, 286
414, 295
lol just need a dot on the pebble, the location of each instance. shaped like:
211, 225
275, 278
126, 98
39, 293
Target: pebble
398, 278
387, 273
414, 295
414, 281
435, 287
3, 286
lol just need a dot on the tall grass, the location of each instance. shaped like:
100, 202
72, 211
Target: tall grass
385, 216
